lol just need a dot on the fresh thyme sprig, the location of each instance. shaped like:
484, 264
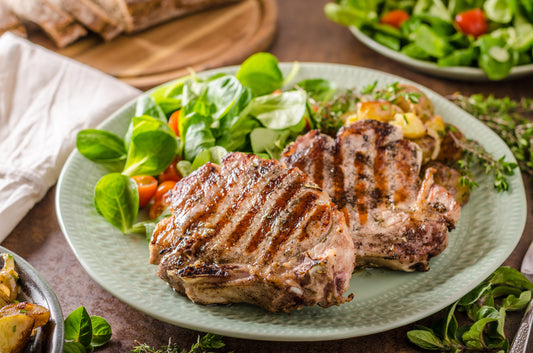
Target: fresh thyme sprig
474, 152
204, 344
510, 119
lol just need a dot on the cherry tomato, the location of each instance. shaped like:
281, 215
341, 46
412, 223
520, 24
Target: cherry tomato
161, 198
171, 173
395, 18
147, 186
472, 22
173, 122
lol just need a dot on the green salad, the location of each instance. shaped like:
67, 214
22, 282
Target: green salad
494, 35
180, 126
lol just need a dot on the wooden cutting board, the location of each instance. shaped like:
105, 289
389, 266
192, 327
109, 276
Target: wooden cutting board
211, 38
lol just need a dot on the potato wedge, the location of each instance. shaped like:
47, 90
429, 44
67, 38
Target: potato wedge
410, 124
15, 331
39, 313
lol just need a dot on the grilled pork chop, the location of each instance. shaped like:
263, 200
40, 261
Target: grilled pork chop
254, 231
372, 175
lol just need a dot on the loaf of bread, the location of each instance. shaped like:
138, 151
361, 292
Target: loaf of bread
137, 15
10, 22
59, 25
65, 21
91, 16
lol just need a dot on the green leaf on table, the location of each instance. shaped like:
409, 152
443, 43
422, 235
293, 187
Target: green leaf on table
425, 339
100, 146
509, 276
101, 331
116, 198
73, 347
78, 327
513, 303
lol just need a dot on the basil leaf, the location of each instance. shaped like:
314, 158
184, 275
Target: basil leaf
78, 327
511, 277
318, 89
199, 135
73, 347
473, 338
475, 294
213, 154
101, 331
153, 146
117, 199
512, 303
270, 141
261, 73
280, 111
100, 146
146, 105
425, 339
228, 96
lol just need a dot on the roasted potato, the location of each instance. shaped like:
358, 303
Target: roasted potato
15, 332
39, 313
410, 124
423, 108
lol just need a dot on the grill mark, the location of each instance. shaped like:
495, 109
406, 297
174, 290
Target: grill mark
402, 192
235, 236
360, 161
187, 202
338, 195
380, 165
320, 214
279, 205
290, 223
318, 162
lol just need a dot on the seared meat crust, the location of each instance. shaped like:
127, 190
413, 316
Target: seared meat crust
372, 175
254, 231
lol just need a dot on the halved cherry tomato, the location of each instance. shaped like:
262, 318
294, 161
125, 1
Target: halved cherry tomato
173, 122
395, 18
472, 22
147, 186
161, 198
171, 173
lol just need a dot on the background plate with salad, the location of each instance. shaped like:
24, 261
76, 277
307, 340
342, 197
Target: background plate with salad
474, 40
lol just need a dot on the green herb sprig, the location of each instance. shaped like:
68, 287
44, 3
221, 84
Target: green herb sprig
510, 119
204, 344
484, 309
474, 152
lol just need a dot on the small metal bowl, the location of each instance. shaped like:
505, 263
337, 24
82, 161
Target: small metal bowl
35, 289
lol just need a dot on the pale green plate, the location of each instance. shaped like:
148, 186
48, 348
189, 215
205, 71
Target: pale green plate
490, 227
462, 73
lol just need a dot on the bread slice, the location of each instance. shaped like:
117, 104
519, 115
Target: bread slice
56, 23
10, 22
91, 16
137, 15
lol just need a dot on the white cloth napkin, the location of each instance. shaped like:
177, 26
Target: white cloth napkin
45, 99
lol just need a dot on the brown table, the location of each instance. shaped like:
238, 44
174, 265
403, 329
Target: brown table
304, 34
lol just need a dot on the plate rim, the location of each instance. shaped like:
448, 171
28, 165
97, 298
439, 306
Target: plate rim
312, 336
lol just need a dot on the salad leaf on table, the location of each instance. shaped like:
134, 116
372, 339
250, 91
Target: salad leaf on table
483, 310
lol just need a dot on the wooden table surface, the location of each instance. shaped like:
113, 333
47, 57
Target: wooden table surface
304, 34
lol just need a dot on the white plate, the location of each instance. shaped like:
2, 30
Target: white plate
489, 229
462, 73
